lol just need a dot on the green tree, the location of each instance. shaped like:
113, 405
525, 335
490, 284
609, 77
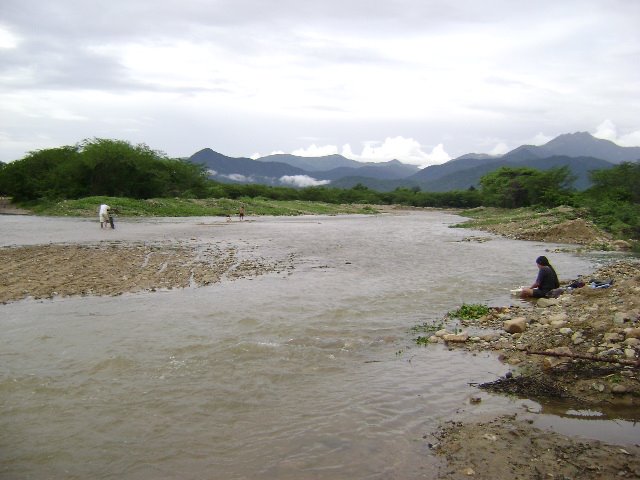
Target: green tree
510, 187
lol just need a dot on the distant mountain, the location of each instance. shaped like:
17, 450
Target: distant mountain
392, 170
466, 171
465, 162
580, 151
465, 178
312, 164
582, 144
243, 170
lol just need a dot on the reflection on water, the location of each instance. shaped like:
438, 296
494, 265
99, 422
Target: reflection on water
305, 375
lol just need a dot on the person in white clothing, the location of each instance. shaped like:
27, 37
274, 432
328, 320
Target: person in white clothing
103, 215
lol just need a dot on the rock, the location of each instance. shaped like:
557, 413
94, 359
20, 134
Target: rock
632, 332
489, 337
612, 337
618, 389
475, 399
598, 387
456, 338
632, 342
630, 353
576, 338
547, 302
469, 471
441, 333
558, 323
565, 331
434, 339
515, 325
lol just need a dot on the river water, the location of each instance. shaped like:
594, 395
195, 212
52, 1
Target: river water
305, 374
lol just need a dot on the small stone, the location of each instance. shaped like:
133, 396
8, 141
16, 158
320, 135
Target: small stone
515, 325
629, 353
632, 332
565, 331
618, 389
558, 323
475, 399
632, 342
434, 339
456, 338
469, 471
598, 387
612, 337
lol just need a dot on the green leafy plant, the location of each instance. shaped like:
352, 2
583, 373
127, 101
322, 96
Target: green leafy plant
469, 311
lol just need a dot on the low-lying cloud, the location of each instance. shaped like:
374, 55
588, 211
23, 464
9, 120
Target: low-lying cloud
302, 181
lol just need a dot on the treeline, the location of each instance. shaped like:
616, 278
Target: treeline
118, 169
100, 167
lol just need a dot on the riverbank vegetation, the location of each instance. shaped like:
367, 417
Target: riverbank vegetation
137, 180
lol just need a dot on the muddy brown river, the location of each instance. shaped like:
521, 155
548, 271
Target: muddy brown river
309, 372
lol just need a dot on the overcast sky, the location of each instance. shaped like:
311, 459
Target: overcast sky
421, 81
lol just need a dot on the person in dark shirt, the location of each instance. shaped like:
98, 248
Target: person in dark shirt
546, 281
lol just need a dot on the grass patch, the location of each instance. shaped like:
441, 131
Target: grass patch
487, 216
469, 311
188, 207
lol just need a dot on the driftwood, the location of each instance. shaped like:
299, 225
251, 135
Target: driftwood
593, 358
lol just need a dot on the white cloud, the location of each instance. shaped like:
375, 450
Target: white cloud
500, 149
245, 77
316, 151
237, 177
406, 150
607, 130
540, 139
302, 181
7, 39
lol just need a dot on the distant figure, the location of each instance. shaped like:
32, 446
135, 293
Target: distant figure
241, 213
103, 215
228, 217
110, 212
546, 281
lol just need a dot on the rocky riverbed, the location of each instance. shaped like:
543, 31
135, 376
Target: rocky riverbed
582, 347
596, 333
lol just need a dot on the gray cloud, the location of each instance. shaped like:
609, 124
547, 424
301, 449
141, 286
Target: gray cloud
246, 75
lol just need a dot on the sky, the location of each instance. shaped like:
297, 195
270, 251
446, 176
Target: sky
421, 81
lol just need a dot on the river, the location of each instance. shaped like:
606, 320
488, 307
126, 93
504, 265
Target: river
310, 373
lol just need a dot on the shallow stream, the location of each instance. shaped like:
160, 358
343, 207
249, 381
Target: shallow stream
310, 373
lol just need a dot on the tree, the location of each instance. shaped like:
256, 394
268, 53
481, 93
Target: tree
510, 187
100, 167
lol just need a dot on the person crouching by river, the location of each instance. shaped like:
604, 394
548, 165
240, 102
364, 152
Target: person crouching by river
546, 281
103, 215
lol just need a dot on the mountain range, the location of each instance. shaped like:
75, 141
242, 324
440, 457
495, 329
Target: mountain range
580, 151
